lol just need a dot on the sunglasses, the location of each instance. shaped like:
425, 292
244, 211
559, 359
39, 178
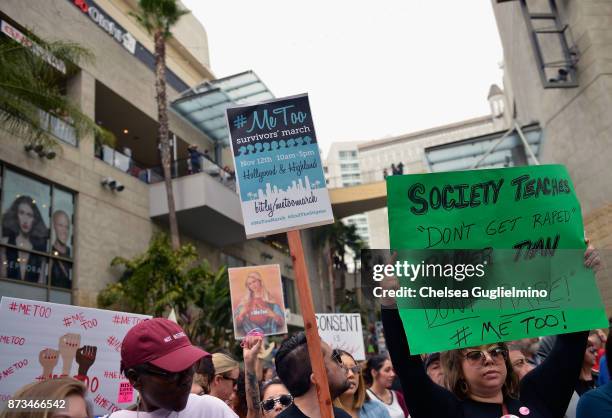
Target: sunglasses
477, 357
284, 400
233, 379
169, 376
355, 369
337, 357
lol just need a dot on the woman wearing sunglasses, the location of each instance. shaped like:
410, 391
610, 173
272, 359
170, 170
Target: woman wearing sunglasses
480, 381
275, 397
355, 400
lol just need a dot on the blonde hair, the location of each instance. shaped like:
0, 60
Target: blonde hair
267, 297
50, 389
360, 396
454, 380
224, 363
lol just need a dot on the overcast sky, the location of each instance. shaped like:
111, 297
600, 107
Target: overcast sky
371, 69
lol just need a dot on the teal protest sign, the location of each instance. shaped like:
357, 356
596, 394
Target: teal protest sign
524, 215
278, 167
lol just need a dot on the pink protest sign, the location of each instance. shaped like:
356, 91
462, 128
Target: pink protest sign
126, 392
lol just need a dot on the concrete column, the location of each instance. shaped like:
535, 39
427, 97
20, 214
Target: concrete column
82, 92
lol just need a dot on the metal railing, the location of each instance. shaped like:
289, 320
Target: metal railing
59, 128
155, 174
188, 166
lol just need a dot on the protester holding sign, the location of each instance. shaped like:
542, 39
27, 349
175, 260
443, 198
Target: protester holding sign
294, 368
355, 400
159, 361
480, 381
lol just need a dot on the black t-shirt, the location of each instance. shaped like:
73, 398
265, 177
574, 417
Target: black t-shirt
545, 391
294, 412
584, 386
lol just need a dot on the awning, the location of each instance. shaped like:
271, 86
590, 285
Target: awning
204, 105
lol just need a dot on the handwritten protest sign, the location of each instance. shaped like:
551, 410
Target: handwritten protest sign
531, 212
342, 331
278, 166
41, 340
257, 300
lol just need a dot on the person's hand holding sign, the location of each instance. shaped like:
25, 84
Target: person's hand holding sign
251, 344
591, 257
389, 283
48, 359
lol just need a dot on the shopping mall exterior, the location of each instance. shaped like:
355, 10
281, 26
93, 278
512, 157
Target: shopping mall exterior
77, 196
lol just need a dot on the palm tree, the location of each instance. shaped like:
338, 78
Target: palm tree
158, 16
30, 86
337, 238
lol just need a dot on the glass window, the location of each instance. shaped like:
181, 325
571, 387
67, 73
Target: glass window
231, 261
36, 236
289, 294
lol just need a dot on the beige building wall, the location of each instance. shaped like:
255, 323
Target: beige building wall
375, 156
577, 122
108, 224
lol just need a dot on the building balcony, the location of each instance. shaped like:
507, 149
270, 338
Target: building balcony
207, 205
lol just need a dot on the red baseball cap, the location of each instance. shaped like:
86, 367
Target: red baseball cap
160, 342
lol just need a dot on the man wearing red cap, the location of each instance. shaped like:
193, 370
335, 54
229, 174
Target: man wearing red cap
159, 360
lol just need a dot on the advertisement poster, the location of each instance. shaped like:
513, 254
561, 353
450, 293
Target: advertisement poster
41, 340
529, 215
342, 331
278, 166
257, 300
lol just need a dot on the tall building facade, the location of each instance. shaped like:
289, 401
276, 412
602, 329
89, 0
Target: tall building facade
559, 75
343, 170
104, 201
376, 157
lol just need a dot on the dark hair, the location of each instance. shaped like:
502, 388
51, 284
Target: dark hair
205, 372
206, 367
10, 223
293, 364
374, 363
240, 407
455, 381
266, 385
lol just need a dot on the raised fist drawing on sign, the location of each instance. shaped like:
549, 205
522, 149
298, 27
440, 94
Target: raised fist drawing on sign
48, 359
68, 346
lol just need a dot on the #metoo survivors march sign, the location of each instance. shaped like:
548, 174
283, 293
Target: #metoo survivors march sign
529, 213
41, 340
278, 167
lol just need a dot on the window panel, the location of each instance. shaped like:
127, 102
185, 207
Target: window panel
36, 239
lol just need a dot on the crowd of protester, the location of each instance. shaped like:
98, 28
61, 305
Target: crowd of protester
549, 377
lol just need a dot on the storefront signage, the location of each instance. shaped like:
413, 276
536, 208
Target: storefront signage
15, 34
107, 23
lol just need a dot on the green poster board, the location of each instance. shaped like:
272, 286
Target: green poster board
530, 212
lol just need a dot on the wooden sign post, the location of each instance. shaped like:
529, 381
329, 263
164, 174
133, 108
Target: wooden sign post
310, 323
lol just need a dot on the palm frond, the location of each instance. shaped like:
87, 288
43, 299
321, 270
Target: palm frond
31, 89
